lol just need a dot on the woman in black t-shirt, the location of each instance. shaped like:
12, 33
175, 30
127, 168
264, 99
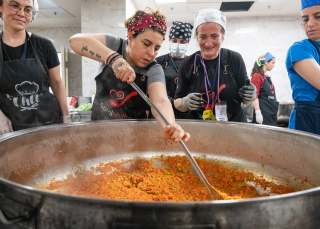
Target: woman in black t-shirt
28, 65
212, 82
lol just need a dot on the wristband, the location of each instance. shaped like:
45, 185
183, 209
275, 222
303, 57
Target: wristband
105, 61
110, 57
114, 59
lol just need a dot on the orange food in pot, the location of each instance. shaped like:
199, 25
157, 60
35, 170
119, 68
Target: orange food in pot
176, 182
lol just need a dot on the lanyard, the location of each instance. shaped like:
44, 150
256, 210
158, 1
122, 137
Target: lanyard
174, 64
23, 56
206, 77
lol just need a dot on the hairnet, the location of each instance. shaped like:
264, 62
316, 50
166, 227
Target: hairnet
210, 15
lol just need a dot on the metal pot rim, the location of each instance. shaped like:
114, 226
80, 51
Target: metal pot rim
154, 204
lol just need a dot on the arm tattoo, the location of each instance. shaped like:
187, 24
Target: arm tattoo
85, 48
118, 66
92, 53
98, 56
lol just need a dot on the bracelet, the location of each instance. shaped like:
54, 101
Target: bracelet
105, 61
111, 56
114, 59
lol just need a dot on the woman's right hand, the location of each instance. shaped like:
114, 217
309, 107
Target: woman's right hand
5, 124
123, 70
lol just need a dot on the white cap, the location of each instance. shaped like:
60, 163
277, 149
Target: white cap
210, 15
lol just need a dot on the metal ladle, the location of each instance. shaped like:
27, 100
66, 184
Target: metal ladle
214, 193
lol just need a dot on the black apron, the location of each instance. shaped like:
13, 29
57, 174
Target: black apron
228, 90
308, 112
268, 103
24, 91
118, 100
170, 68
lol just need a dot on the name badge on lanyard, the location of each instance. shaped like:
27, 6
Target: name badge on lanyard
221, 111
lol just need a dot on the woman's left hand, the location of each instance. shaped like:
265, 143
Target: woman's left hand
175, 133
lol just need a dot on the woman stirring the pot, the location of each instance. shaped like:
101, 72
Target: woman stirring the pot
212, 82
265, 105
127, 61
180, 35
28, 65
302, 64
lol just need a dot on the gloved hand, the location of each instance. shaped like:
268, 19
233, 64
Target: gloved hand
259, 117
5, 124
66, 119
248, 92
192, 102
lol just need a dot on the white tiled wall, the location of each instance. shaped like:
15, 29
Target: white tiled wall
254, 36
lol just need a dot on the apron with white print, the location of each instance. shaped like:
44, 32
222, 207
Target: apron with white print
24, 91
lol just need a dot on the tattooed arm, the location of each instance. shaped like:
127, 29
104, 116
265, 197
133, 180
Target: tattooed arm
94, 47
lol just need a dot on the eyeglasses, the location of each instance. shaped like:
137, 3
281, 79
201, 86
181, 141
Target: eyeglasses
16, 7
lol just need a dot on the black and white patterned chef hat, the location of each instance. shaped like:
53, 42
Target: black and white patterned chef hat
181, 30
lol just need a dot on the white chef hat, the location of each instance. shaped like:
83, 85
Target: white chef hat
35, 9
210, 15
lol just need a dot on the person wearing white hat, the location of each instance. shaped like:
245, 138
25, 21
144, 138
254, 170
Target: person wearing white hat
213, 82
28, 65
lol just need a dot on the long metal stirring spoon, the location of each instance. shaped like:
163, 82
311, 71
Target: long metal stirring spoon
214, 193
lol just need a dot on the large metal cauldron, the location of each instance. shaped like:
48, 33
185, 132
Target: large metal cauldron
29, 156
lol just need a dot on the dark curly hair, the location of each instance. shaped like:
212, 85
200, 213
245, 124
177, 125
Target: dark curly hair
146, 12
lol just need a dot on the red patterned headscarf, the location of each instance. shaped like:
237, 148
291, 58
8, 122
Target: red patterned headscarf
143, 22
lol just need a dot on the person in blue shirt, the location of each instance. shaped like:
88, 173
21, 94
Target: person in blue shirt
302, 64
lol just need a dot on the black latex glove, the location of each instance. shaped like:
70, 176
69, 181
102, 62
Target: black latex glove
192, 102
248, 92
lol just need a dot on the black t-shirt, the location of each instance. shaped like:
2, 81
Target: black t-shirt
186, 71
44, 48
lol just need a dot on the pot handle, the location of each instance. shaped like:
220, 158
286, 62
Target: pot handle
6, 221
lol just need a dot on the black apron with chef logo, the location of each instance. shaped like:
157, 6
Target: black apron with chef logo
268, 103
118, 100
308, 112
171, 73
24, 91
228, 89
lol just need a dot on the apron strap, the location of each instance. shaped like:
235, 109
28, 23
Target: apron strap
37, 57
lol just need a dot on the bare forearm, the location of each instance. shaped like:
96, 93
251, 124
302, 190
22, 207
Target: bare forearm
177, 104
256, 105
165, 108
60, 93
308, 69
89, 47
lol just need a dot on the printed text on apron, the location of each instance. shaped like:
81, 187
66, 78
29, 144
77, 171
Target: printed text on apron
24, 91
